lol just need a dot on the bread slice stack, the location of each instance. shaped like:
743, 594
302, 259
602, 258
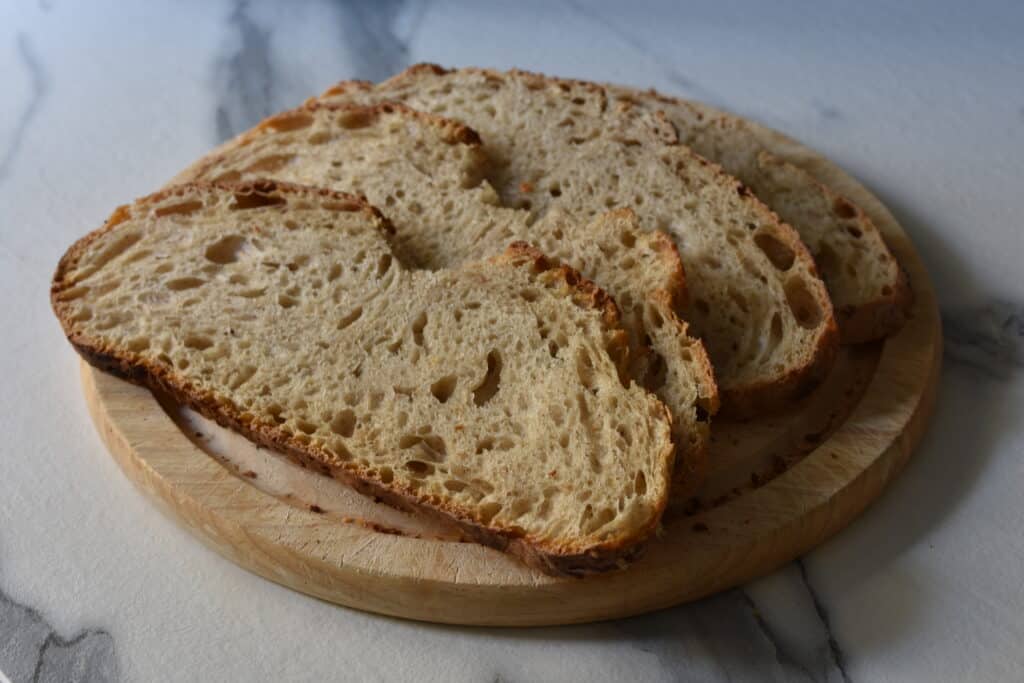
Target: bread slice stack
511, 302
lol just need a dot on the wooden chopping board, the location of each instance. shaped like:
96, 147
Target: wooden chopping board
778, 487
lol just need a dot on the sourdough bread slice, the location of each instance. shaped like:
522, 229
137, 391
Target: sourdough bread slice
428, 172
280, 311
755, 298
870, 292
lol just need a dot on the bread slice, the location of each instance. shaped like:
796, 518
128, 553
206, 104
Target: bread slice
870, 292
755, 298
281, 311
428, 172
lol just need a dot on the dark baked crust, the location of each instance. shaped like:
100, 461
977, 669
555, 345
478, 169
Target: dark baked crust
745, 400
564, 559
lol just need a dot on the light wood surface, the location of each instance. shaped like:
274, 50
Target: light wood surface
778, 488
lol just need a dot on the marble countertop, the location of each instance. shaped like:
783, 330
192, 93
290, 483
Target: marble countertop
104, 101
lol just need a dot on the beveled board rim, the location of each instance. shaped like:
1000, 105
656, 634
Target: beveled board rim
462, 583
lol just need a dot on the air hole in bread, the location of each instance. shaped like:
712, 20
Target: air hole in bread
488, 511
443, 388
74, 293
802, 302
585, 368
826, 259
491, 382
779, 253
454, 485
344, 423
305, 426
655, 317
417, 328
289, 121
431, 447
775, 330
113, 251
181, 208
255, 200
605, 516
418, 468
383, 264
184, 283
137, 344
529, 294
82, 315
854, 231
228, 177
226, 250
657, 373
350, 317
844, 209
268, 164
286, 301
739, 300
241, 376
640, 484
318, 138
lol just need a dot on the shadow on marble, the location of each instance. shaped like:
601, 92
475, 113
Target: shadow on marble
974, 414
783, 631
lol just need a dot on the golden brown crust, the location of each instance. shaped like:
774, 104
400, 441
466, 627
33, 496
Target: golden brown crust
692, 462
880, 318
564, 559
745, 400
751, 398
871, 321
585, 293
452, 132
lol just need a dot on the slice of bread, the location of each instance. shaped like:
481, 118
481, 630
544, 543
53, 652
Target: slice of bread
755, 298
427, 174
870, 292
281, 311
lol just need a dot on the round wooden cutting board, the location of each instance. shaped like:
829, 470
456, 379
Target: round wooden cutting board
778, 488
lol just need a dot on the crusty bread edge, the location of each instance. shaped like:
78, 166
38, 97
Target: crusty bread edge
455, 132
558, 560
871, 321
747, 400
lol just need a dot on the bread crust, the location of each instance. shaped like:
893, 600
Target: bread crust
869, 321
748, 399
560, 559
455, 133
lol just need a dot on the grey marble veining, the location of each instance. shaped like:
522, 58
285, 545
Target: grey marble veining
31, 650
374, 42
925, 587
246, 76
987, 337
680, 81
39, 87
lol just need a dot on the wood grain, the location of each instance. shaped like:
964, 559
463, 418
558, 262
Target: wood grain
757, 516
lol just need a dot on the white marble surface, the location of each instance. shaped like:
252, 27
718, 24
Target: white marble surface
103, 101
